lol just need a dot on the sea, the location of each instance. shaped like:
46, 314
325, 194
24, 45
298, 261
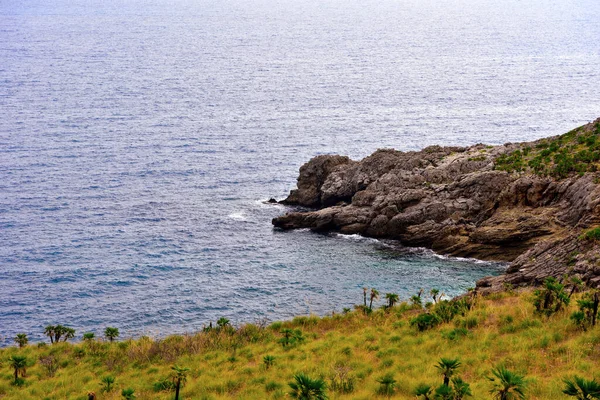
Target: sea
139, 141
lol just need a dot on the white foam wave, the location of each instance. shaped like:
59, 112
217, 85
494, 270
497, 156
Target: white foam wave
356, 237
238, 216
459, 259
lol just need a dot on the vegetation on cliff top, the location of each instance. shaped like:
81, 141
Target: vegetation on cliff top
577, 151
508, 341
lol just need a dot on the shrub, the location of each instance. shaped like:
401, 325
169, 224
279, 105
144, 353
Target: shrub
455, 334
128, 394
592, 235
588, 310
306, 388
291, 337
425, 321
342, 380
164, 384
551, 298
387, 385
111, 333
582, 388
268, 361
272, 386
21, 339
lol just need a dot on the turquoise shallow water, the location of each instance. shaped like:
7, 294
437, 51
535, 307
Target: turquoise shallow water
139, 139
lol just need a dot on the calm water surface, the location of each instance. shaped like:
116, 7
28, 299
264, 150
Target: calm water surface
138, 140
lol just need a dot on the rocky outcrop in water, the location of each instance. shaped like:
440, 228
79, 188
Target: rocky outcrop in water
530, 204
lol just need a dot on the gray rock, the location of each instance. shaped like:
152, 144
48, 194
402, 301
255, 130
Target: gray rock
451, 199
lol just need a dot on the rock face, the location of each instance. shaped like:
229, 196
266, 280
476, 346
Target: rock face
466, 202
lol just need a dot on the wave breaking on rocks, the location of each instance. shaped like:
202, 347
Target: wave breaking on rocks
532, 204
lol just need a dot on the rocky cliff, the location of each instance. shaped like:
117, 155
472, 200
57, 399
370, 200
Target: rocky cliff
535, 205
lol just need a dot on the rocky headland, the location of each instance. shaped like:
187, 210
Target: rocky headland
535, 204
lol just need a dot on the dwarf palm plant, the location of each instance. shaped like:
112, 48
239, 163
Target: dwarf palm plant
128, 394
111, 333
56, 332
447, 367
387, 385
434, 294
424, 390
373, 296
179, 378
392, 299
223, 323
19, 364
460, 388
269, 361
107, 383
21, 339
306, 388
582, 389
508, 385
444, 392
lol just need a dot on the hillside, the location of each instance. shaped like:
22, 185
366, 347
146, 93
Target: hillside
349, 351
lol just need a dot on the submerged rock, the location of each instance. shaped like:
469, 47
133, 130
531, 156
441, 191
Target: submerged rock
525, 203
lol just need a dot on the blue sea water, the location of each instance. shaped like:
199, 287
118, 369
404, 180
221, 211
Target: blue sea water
139, 140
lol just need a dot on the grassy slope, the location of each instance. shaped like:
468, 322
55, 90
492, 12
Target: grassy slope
507, 332
575, 151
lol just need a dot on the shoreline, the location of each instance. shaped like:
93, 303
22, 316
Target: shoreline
523, 203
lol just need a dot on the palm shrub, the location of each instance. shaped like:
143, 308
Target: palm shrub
291, 337
446, 310
19, 365
88, 336
460, 388
447, 368
179, 376
21, 339
56, 332
111, 333
392, 299
424, 390
306, 388
507, 385
268, 361
588, 310
425, 321
416, 300
434, 295
581, 388
444, 392
128, 394
373, 296
551, 298
223, 324
387, 385
107, 383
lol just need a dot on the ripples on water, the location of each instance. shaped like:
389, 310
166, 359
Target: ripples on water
137, 140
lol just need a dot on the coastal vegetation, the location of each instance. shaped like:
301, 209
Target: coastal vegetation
508, 345
577, 151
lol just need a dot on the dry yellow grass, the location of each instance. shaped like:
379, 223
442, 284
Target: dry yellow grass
503, 330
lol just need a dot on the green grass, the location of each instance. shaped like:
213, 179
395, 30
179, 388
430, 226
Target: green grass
577, 151
592, 234
351, 352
